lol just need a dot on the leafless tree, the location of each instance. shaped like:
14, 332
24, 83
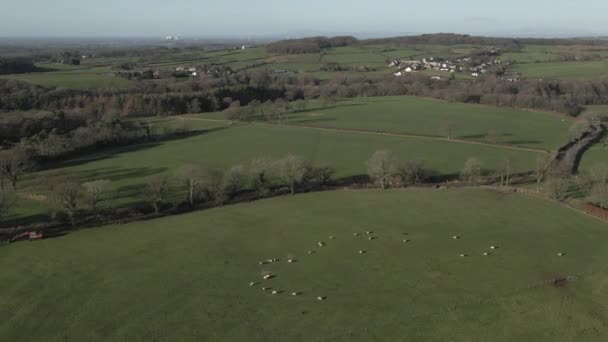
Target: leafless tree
234, 181
324, 173
506, 172
381, 166
542, 165
471, 170
156, 190
599, 195
557, 188
599, 173
94, 191
293, 170
192, 178
577, 129
66, 193
14, 164
411, 172
260, 171
446, 129
7, 201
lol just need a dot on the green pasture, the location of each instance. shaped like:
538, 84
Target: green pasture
187, 277
414, 115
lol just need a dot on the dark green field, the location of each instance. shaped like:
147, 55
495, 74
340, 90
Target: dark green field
187, 277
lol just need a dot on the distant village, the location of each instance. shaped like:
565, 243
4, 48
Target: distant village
477, 65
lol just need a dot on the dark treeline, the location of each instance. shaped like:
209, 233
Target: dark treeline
16, 65
309, 45
454, 39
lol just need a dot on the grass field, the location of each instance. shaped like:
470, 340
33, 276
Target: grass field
187, 277
407, 114
128, 166
73, 77
568, 70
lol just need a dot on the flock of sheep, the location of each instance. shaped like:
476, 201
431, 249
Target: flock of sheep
267, 275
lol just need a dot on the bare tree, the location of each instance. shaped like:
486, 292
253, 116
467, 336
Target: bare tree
95, 191
213, 185
411, 172
293, 170
192, 178
381, 166
599, 195
156, 190
446, 129
14, 164
7, 201
542, 165
599, 173
260, 171
66, 193
324, 173
557, 188
234, 181
471, 170
506, 173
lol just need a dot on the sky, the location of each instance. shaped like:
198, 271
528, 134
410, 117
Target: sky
290, 18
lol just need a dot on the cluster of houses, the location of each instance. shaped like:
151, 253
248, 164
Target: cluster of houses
191, 71
476, 65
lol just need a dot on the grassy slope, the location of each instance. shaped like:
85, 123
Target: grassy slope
73, 77
128, 166
406, 114
186, 277
567, 70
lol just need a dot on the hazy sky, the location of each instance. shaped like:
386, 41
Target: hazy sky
284, 18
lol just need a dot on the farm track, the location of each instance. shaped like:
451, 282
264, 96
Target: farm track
391, 134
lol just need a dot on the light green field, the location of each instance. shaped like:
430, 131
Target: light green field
571, 70
74, 78
186, 278
127, 167
407, 114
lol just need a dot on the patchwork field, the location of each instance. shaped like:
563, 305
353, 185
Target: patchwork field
188, 277
414, 115
568, 70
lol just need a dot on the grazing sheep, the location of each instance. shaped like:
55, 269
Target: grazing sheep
371, 238
455, 237
266, 288
321, 244
291, 260
332, 237
275, 292
463, 255
362, 252
356, 234
253, 283
263, 262
486, 253
267, 276
321, 298
368, 232
406, 240
310, 252
561, 254
493, 247
295, 293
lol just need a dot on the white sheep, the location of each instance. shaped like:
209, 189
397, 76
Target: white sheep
295, 293
332, 237
455, 237
266, 288
253, 283
361, 252
321, 244
267, 276
486, 253
560, 254
493, 247
275, 292
321, 298
310, 252
291, 260
463, 255
406, 240
356, 234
